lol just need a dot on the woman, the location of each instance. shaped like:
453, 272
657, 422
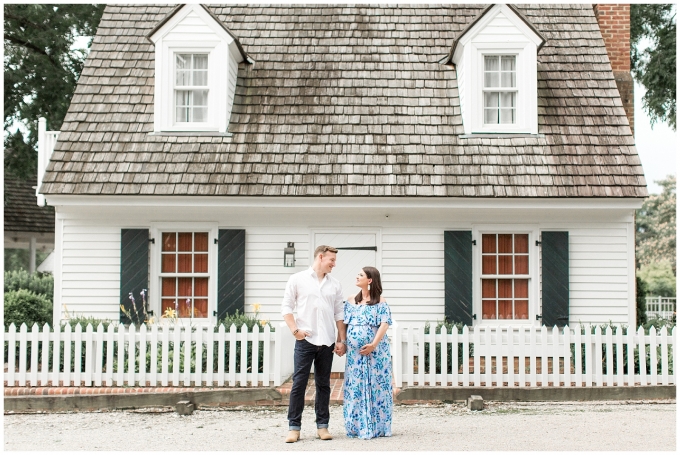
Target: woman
368, 374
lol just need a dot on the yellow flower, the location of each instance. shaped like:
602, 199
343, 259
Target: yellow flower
264, 322
169, 313
256, 307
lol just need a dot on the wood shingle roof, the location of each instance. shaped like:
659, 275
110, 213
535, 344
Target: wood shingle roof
348, 101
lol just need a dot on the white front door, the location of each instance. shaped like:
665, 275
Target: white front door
356, 250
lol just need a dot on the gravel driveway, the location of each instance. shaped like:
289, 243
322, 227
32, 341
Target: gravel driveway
649, 425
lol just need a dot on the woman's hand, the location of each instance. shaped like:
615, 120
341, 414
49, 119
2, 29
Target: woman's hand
367, 349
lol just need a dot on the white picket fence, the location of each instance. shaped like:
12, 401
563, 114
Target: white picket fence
107, 356
538, 356
543, 353
660, 307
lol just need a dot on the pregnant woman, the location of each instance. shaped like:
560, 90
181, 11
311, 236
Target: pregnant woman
367, 405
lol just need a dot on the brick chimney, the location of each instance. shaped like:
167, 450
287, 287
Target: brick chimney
614, 22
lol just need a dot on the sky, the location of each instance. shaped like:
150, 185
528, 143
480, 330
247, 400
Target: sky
656, 146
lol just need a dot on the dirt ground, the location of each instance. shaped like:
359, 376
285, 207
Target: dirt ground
639, 426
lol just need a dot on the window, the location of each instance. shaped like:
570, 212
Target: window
500, 89
191, 88
505, 276
184, 274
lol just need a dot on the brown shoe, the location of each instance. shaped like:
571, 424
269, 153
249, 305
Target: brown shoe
324, 434
293, 436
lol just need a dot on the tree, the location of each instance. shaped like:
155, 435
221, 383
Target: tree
659, 279
655, 227
654, 66
41, 71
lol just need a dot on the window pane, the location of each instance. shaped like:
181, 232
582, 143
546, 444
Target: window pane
508, 63
183, 61
491, 99
507, 99
505, 243
168, 287
491, 80
200, 114
168, 263
184, 287
201, 61
201, 287
507, 116
488, 243
182, 98
184, 241
488, 309
521, 309
182, 114
488, 289
489, 265
200, 78
490, 63
184, 263
201, 308
491, 116
184, 308
201, 241
508, 80
169, 241
505, 309
200, 263
521, 289
200, 98
167, 304
504, 265
183, 78
521, 265
521, 243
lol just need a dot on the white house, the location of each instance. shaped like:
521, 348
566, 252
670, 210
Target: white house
480, 157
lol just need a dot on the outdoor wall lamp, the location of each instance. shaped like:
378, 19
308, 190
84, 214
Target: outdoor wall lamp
289, 255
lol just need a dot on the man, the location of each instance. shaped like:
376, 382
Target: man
318, 299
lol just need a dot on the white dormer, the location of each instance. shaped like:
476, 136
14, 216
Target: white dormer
197, 61
495, 58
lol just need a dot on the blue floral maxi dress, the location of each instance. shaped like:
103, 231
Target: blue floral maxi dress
367, 405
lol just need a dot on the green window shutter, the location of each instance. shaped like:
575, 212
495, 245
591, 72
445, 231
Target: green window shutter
555, 263
231, 258
134, 272
458, 276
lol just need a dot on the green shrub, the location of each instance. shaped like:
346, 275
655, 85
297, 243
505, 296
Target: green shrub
449, 326
239, 319
24, 306
38, 283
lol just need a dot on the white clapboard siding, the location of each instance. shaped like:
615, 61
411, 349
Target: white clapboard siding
499, 29
413, 278
98, 348
265, 276
90, 270
191, 28
599, 271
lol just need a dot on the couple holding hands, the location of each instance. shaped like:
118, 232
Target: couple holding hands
361, 322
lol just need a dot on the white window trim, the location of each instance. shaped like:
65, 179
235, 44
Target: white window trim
217, 96
155, 269
526, 107
534, 274
222, 53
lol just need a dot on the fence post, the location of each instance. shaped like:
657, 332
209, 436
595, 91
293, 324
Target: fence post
153, 367
652, 356
45, 355
674, 341
396, 354
120, 369
466, 356
630, 351
445, 356
521, 361
22, 354
642, 356
567, 356
232, 355
210, 353
89, 357
619, 355
198, 378
66, 378
132, 331
99, 355
664, 355
266, 356
109, 355
187, 356
12, 354
34, 355
254, 370
142, 355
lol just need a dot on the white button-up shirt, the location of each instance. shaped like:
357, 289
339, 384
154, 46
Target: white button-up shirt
318, 304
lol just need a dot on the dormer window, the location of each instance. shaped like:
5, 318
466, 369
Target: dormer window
196, 69
500, 89
191, 88
496, 69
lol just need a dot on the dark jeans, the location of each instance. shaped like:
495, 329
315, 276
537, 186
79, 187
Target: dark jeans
322, 356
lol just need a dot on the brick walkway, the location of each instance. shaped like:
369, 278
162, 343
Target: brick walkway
336, 390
